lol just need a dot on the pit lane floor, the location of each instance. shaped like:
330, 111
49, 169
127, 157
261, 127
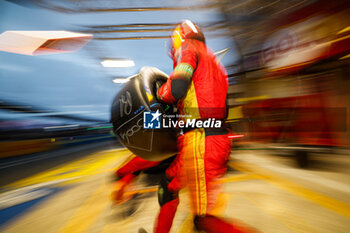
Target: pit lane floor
261, 191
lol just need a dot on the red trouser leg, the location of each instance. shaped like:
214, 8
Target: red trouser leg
205, 160
166, 216
211, 224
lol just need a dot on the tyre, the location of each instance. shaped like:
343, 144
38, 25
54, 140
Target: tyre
137, 97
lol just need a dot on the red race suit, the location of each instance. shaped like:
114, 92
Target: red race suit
199, 86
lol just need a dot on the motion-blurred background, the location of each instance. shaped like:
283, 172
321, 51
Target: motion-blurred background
288, 68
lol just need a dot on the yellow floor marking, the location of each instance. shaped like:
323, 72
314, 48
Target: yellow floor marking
291, 221
95, 204
78, 168
236, 178
100, 171
87, 213
93, 168
336, 206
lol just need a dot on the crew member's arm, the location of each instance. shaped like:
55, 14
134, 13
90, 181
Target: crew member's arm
177, 85
127, 173
134, 165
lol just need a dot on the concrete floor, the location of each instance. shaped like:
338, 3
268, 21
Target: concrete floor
262, 191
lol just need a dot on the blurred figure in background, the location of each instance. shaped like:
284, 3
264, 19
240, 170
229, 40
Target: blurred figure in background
126, 174
168, 199
130, 169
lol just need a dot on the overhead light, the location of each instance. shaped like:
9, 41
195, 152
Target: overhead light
116, 63
120, 80
42, 42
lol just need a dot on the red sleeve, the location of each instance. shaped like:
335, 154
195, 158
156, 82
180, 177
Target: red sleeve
188, 55
134, 165
179, 80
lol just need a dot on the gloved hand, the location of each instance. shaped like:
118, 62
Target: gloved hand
120, 195
164, 92
157, 85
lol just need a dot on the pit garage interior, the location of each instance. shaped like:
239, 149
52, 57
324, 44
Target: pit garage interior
289, 165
